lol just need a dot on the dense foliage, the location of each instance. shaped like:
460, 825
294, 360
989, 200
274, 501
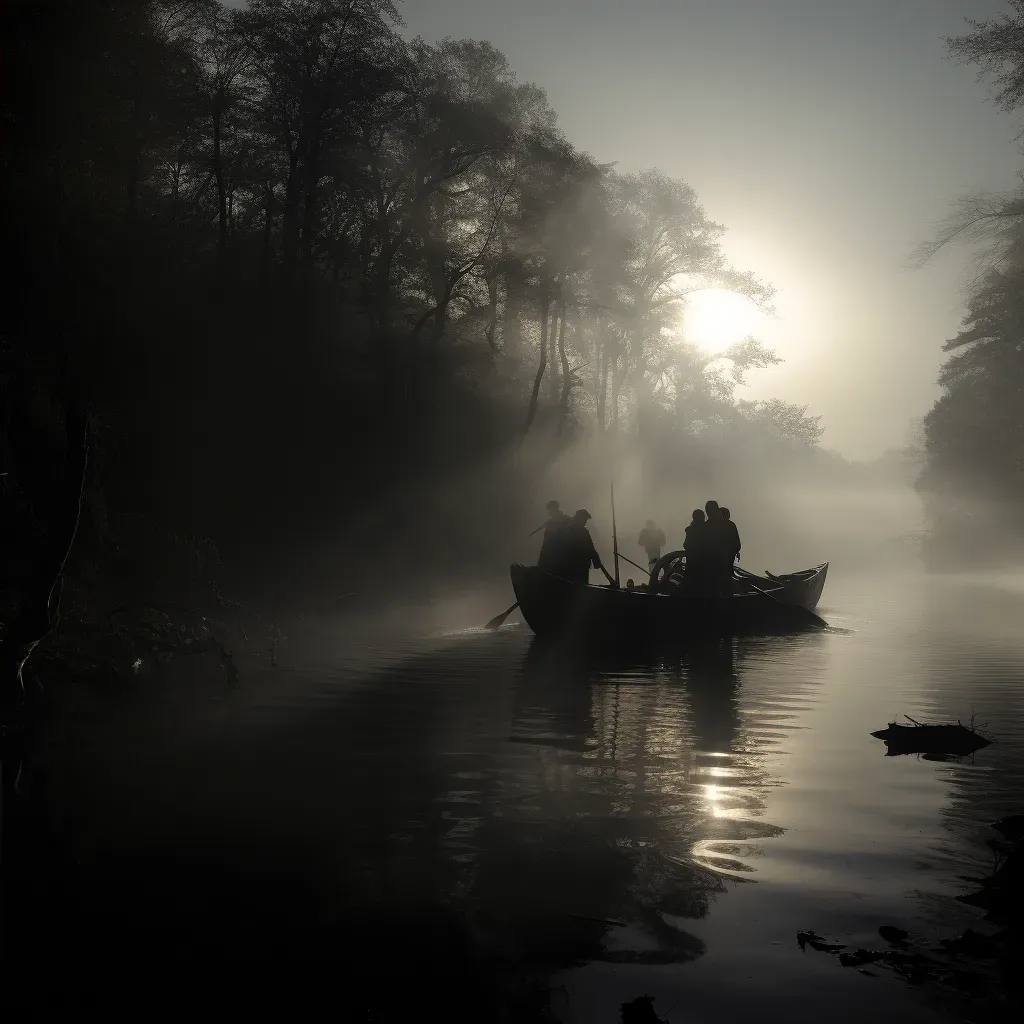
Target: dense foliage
973, 480
309, 280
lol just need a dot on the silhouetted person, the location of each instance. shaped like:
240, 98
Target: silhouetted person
575, 549
693, 533
718, 534
556, 521
696, 547
733, 533
652, 540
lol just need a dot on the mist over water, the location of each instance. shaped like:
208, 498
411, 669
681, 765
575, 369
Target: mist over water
655, 826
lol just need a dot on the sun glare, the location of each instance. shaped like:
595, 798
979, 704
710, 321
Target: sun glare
716, 319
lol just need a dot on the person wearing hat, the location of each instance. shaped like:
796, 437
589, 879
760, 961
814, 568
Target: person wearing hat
556, 521
577, 550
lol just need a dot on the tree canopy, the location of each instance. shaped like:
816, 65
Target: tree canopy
302, 270
973, 478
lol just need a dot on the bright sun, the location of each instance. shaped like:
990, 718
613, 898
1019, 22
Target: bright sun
716, 319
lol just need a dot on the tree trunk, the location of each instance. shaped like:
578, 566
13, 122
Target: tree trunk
440, 321
615, 391
57, 499
290, 217
563, 400
553, 384
309, 204
531, 412
268, 223
380, 289
601, 391
132, 186
176, 185
222, 196
492, 307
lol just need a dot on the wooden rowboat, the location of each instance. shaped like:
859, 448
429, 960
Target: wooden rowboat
803, 588
553, 606
800, 588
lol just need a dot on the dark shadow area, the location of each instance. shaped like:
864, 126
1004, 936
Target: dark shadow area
453, 832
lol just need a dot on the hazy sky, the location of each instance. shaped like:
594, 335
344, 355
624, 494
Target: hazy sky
828, 135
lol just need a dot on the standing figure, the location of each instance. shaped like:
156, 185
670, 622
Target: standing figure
556, 521
697, 562
720, 551
576, 550
733, 534
652, 540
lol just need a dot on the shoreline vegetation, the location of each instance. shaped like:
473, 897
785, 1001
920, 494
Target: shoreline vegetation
339, 301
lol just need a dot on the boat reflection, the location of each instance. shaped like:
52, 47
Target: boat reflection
637, 806
525, 809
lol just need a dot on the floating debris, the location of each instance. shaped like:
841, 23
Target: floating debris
955, 740
972, 944
958, 969
817, 942
897, 936
640, 1011
860, 956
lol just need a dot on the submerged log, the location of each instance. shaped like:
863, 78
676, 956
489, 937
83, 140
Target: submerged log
955, 739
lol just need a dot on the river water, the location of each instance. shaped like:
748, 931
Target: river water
436, 812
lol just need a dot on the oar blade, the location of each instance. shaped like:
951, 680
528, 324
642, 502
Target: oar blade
499, 619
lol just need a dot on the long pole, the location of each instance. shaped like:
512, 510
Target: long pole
615, 539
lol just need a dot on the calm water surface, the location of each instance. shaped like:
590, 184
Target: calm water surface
660, 826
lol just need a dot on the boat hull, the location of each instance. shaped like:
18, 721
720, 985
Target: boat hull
800, 588
555, 607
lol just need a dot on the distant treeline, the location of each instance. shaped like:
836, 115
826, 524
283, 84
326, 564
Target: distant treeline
973, 480
303, 276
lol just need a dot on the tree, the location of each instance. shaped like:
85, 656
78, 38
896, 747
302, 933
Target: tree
318, 63
974, 435
249, 235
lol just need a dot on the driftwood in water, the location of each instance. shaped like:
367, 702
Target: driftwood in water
640, 1011
920, 738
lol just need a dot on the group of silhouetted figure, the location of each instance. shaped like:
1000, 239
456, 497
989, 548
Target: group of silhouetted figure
712, 546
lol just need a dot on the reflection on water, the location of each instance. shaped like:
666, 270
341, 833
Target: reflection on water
668, 820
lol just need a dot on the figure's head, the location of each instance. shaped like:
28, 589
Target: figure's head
649, 524
581, 516
698, 516
552, 507
711, 507
725, 513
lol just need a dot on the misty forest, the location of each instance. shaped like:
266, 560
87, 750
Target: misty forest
295, 276
303, 315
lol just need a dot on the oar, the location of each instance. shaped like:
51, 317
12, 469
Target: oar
816, 620
632, 563
499, 619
